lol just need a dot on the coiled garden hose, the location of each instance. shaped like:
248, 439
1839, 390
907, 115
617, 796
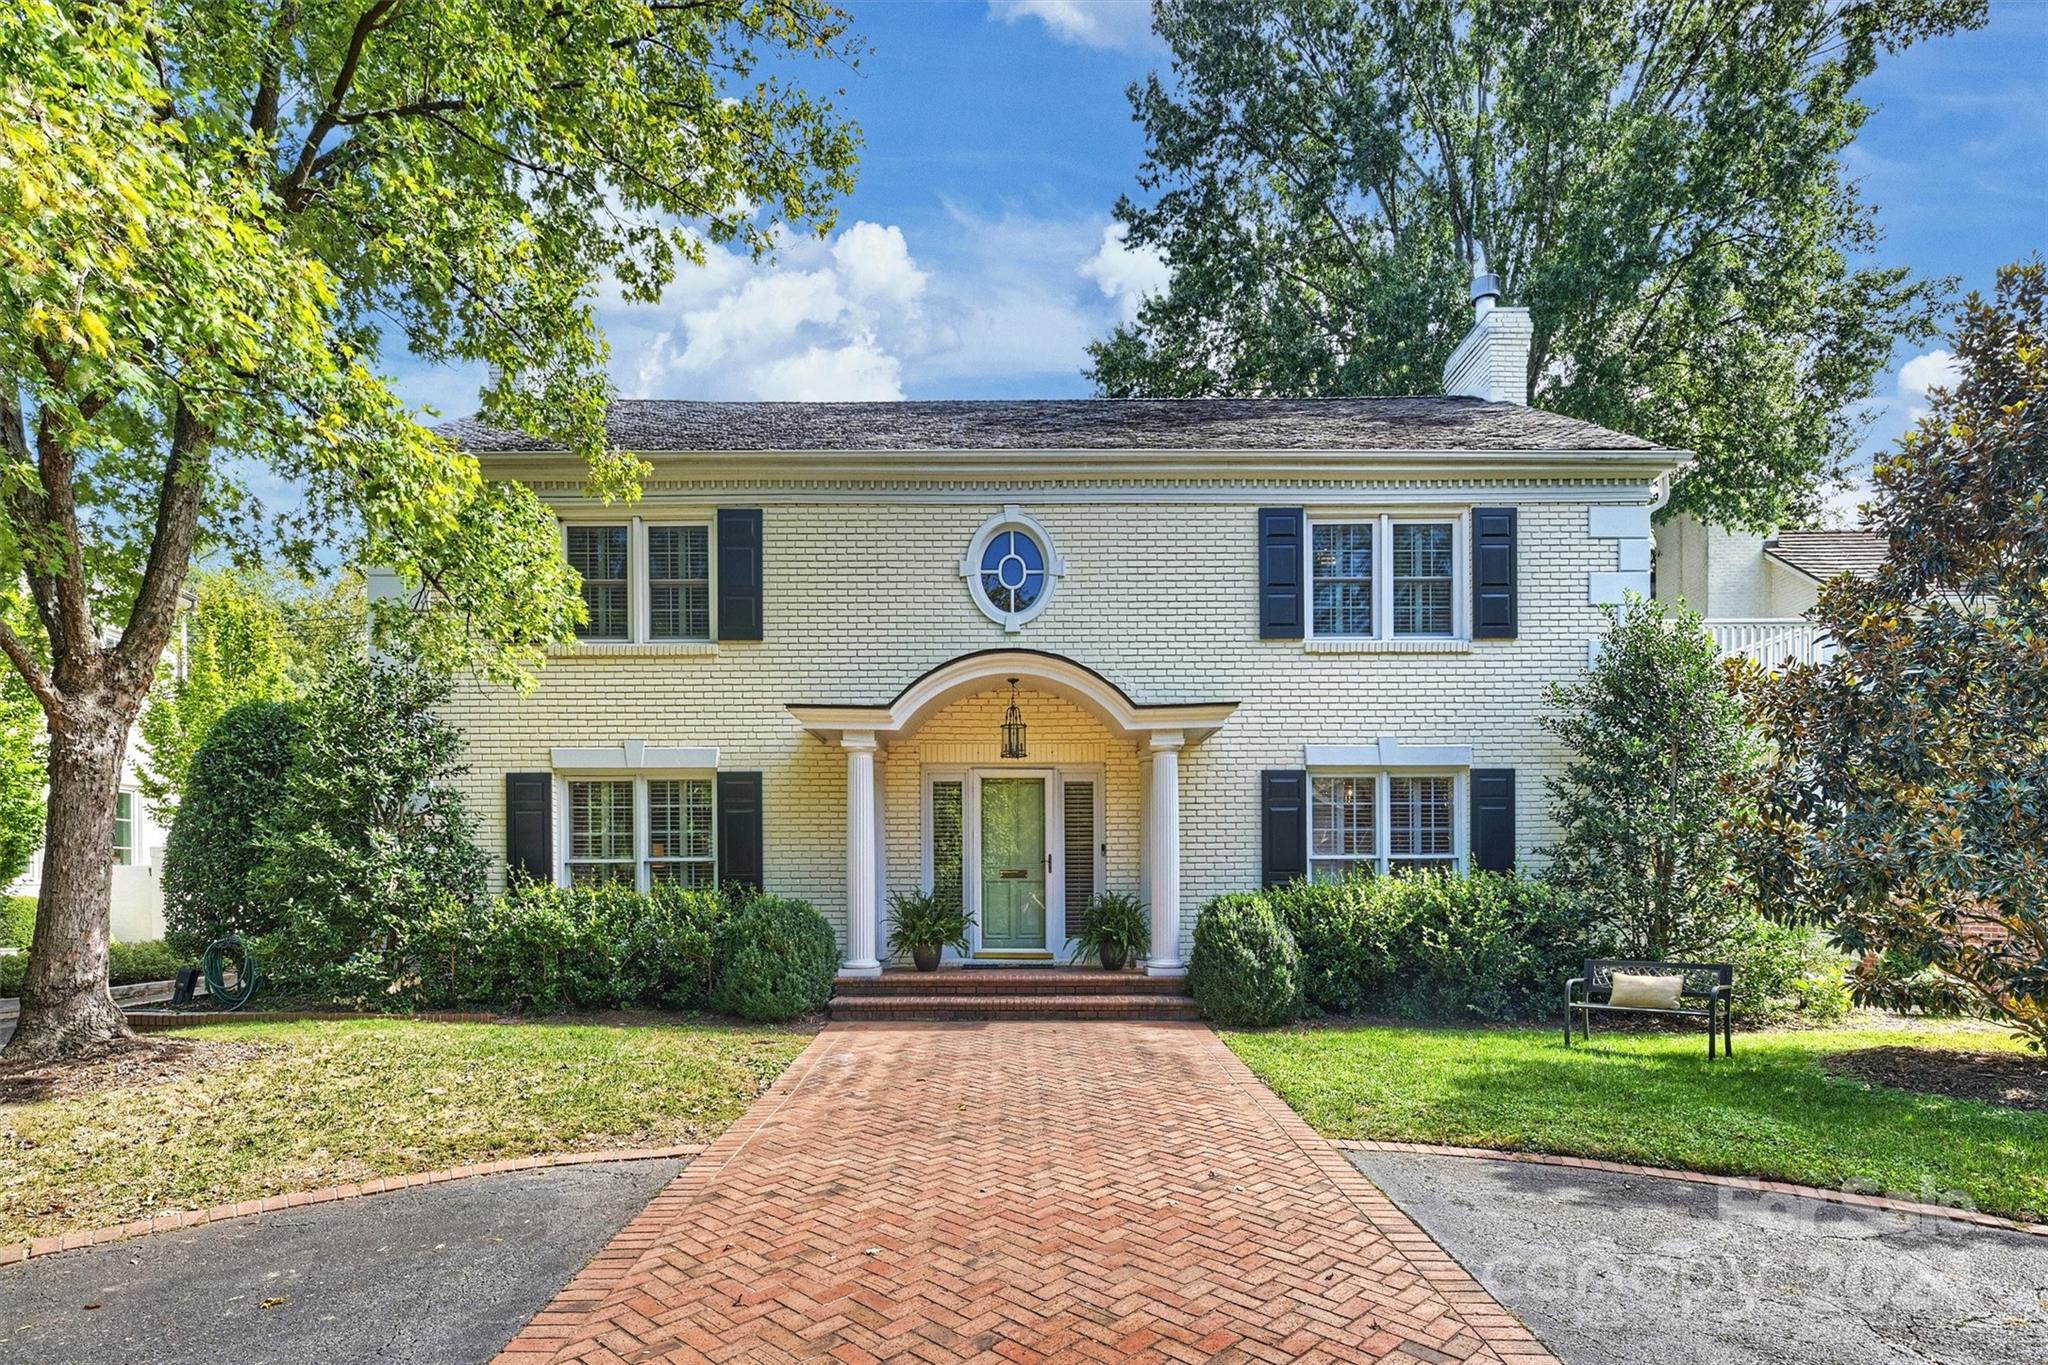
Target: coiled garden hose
230, 971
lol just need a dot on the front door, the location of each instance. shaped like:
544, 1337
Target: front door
1012, 864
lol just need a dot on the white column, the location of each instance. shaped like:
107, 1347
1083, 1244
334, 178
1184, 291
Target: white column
1162, 855
861, 862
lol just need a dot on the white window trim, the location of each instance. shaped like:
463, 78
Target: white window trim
969, 776
1383, 523
643, 612
1011, 518
639, 586
1381, 859
639, 777
125, 854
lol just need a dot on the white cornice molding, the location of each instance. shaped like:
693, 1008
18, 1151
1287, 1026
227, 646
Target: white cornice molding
1095, 466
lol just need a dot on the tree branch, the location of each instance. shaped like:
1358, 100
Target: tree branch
170, 551
294, 188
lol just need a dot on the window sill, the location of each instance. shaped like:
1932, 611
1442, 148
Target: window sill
645, 649
1343, 646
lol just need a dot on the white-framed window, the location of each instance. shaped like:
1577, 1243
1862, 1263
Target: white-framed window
639, 831
1376, 822
644, 582
1387, 577
1011, 568
124, 829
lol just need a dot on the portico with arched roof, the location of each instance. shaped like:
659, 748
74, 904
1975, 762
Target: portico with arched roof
931, 796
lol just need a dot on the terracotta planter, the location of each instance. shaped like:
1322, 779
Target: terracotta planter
926, 956
1113, 957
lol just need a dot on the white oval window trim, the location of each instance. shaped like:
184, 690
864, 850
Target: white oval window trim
1011, 518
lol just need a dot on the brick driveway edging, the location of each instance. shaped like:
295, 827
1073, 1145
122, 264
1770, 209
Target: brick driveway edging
13, 1253
1748, 1183
1022, 1191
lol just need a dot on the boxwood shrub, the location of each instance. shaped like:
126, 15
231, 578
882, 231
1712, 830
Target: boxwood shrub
773, 959
541, 949
1246, 971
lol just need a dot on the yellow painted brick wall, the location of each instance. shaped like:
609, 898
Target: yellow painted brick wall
1160, 596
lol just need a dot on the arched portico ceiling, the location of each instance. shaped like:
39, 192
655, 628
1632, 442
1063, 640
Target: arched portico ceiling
978, 672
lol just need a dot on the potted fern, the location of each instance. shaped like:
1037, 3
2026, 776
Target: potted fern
924, 924
1115, 928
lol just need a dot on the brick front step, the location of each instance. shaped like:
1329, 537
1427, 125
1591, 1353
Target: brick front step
1007, 981
927, 1006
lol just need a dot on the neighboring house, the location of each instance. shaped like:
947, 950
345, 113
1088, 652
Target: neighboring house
1755, 590
137, 900
1025, 651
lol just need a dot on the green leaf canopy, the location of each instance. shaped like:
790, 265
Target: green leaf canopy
1660, 183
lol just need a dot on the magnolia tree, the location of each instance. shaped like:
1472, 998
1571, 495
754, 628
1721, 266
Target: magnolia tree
213, 213
1906, 802
1657, 745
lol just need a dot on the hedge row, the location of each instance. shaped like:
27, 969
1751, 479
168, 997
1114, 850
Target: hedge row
1434, 945
544, 949
127, 964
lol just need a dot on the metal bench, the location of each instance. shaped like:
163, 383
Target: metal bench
1706, 992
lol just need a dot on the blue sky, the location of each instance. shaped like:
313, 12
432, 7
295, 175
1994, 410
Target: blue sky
975, 258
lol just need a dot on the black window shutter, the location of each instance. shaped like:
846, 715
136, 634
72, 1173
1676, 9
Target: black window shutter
1284, 825
1281, 565
1493, 819
739, 573
1493, 573
529, 835
739, 829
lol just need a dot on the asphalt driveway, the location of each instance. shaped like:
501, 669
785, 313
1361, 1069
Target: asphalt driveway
440, 1273
1612, 1268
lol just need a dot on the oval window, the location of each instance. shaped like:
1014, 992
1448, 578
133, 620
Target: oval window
1013, 570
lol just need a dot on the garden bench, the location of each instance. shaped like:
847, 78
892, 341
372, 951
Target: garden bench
1706, 991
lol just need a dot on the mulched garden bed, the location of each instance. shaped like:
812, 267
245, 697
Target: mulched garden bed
2017, 1080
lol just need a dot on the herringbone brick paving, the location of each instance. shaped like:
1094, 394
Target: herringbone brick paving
1022, 1191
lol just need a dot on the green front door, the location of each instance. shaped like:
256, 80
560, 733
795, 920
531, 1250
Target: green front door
1012, 864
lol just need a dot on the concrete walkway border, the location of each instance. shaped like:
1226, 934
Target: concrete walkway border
12, 1253
1750, 1184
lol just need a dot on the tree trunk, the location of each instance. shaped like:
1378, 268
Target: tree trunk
65, 1005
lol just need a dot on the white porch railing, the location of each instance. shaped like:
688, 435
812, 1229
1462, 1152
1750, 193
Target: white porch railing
1773, 642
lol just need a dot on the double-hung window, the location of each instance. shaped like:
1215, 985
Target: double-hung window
1368, 823
640, 832
1386, 578
678, 582
643, 582
599, 555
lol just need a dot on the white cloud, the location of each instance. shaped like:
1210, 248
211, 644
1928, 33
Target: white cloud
1921, 375
823, 320
1128, 276
1001, 304
1125, 25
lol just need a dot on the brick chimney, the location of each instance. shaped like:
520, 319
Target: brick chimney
1492, 362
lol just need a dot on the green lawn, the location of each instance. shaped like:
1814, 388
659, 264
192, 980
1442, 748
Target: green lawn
315, 1104
1770, 1111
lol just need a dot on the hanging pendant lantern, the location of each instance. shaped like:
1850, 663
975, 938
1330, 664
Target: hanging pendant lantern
1013, 727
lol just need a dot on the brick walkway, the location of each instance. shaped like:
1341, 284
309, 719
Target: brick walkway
1022, 1192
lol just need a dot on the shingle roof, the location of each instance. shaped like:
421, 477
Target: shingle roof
1824, 554
646, 425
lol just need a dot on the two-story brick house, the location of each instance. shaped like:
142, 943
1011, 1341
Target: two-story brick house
1031, 650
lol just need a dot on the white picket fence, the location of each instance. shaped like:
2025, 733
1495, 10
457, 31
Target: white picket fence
1773, 642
